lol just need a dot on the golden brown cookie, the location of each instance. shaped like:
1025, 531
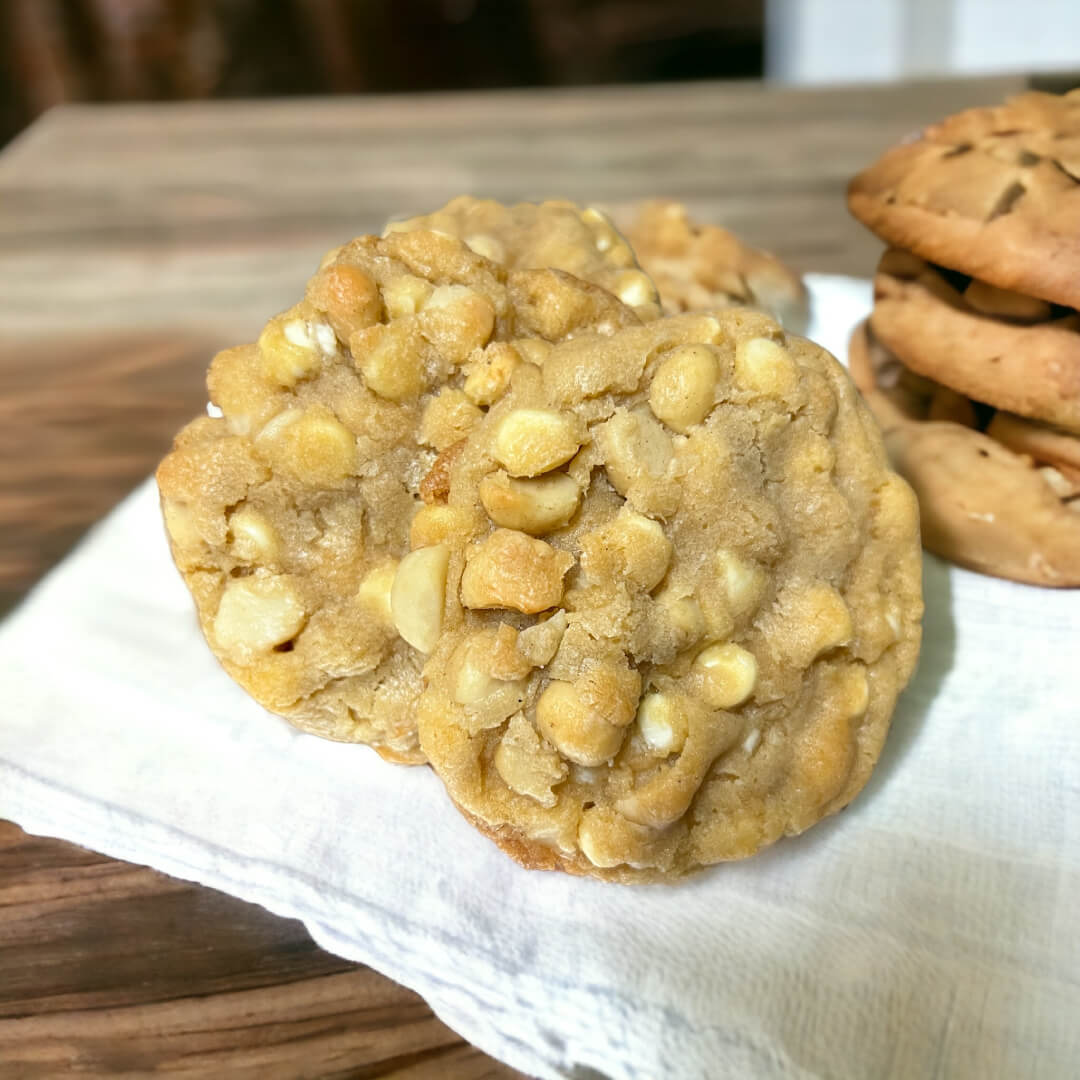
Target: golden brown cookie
291, 516
555, 234
982, 504
991, 192
1005, 349
683, 593
706, 268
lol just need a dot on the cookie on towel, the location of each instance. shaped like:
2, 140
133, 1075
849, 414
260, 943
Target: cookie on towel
683, 594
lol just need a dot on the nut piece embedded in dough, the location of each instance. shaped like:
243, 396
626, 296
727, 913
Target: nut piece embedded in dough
256, 613
683, 389
728, 673
764, 366
489, 374
527, 764
447, 419
578, 732
374, 591
405, 295
456, 320
635, 289
349, 298
539, 643
418, 595
311, 445
683, 613
529, 442
635, 448
253, 537
389, 357
631, 546
537, 506
512, 570
480, 673
663, 722
439, 524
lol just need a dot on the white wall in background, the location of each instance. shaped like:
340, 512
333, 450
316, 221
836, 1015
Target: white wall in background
821, 41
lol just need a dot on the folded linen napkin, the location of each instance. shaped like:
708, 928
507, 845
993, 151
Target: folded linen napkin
932, 929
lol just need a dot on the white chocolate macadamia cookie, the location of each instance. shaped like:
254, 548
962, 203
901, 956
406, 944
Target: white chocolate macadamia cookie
642, 590
310, 520
687, 596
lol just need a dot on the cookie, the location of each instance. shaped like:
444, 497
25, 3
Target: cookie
1008, 350
983, 505
683, 591
993, 193
706, 268
554, 234
291, 515
1043, 444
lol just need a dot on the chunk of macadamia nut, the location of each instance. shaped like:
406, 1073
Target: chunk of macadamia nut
512, 570
536, 505
577, 731
256, 613
418, 595
529, 442
631, 546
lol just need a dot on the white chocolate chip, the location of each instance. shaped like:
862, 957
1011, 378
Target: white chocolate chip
254, 538
750, 743
728, 673
418, 595
663, 723
636, 450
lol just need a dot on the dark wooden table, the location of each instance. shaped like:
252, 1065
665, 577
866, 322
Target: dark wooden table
136, 240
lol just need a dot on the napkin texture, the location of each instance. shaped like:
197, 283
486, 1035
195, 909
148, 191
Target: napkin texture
932, 929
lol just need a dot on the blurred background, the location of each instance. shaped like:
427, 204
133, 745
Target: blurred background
53, 51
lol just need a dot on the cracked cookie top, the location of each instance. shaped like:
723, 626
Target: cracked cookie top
669, 590
555, 234
991, 192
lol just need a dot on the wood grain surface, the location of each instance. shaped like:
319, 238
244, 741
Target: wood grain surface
134, 241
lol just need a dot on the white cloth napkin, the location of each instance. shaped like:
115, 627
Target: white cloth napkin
931, 930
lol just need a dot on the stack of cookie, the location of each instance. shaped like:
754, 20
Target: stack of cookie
971, 357
642, 590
